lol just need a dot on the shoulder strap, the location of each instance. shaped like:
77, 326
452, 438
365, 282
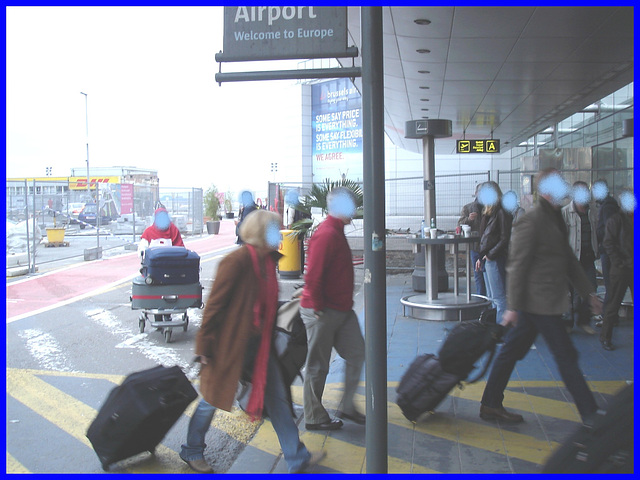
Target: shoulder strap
486, 367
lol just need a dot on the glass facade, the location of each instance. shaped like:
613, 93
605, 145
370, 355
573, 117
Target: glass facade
604, 128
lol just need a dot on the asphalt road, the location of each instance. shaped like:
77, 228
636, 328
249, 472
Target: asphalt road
77, 339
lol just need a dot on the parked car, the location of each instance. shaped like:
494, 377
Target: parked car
74, 210
89, 213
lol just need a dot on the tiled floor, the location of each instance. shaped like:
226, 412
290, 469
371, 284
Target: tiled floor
454, 439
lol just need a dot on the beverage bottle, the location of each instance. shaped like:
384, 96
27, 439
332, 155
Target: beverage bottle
422, 229
433, 223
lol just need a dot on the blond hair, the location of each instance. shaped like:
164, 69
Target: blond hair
254, 227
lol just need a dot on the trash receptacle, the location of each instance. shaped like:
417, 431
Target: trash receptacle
289, 264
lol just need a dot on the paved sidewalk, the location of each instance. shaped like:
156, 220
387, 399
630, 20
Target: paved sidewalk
454, 439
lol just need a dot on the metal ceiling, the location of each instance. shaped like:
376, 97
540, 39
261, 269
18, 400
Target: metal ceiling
498, 72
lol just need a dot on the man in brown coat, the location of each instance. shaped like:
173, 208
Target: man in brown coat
228, 322
539, 264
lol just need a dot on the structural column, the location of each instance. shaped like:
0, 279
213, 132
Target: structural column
375, 282
428, 130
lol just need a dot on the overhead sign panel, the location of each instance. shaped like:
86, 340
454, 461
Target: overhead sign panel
277, 33
478, 146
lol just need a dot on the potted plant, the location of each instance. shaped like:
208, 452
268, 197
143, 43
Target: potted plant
211, 207
228, 206
317, 198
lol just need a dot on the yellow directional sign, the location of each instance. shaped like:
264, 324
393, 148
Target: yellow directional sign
478, 146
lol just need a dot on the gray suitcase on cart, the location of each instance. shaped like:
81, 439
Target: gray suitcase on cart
165, 297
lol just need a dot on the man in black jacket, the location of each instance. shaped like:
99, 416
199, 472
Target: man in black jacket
618, 243
607, 207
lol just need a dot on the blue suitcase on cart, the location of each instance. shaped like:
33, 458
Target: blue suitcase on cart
170, 266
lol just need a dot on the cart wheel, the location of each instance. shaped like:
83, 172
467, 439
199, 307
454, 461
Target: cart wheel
167, 335
141, 325
185, 317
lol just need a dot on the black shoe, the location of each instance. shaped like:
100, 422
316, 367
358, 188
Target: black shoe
330, 425
356, 417
607, 345
488, 413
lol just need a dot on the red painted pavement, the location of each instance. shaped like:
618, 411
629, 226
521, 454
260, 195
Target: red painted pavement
44, 291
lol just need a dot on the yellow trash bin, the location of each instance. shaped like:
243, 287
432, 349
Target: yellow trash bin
289, 264
55, 235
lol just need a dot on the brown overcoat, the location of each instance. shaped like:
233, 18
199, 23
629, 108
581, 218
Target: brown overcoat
226, 324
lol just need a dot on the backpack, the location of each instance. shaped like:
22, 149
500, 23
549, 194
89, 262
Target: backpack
290, 338
466, 343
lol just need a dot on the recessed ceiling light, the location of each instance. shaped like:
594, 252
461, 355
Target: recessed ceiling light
424, 109
424, 71
422, 21
423, 87
424, 99
423, 50
425, 117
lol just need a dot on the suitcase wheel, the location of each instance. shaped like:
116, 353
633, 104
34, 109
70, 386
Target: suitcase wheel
141, 324
167, 335
148, 280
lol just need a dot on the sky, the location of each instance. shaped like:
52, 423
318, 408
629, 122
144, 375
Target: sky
152, 101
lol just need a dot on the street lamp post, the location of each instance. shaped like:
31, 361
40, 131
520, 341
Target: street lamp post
86, 118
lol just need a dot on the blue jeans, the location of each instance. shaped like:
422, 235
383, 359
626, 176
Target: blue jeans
496, 275
198, 426
276, 405
517, 343
481, 289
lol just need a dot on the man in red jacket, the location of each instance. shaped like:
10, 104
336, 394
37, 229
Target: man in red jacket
326, 307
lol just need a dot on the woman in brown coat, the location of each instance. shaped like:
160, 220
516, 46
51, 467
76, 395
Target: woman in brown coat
241, 310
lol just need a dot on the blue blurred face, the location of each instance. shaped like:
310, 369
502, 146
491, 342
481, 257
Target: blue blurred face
555, 187
510, 201
273, 237
162, 220
342, 206
246, 199
292, 197
599, 191
627, 202
581, 195
487, 195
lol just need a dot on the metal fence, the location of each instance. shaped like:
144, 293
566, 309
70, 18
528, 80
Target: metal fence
404, 199
35, 210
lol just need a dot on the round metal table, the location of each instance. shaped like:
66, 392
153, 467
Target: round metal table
430, 306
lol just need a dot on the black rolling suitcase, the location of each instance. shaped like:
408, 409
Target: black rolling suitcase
430, 378
138, 413
170, 266
423, 386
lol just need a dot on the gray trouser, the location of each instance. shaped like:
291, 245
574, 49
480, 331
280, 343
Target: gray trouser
334, 329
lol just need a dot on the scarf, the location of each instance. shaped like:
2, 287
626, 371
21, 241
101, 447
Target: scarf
264, 315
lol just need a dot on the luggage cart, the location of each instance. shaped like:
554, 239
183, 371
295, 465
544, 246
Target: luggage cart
166, 301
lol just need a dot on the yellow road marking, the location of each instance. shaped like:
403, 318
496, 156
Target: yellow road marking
342, 456
74, 417
14, 466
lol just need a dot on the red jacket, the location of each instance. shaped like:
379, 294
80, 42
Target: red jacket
153, 233
329, 269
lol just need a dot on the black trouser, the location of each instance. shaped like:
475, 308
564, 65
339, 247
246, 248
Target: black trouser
619, 281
